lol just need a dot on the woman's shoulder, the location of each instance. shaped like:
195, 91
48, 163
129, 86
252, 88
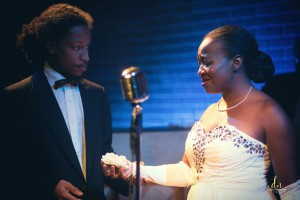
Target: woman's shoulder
210, 108
265, 103
271, 113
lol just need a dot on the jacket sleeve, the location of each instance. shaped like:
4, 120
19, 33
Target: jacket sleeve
118, 185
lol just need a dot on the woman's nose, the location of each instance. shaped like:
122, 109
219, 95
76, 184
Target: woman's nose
201, 71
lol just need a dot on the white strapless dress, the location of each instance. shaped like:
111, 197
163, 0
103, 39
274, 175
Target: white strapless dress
228, 164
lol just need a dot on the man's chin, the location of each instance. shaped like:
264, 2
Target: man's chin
75, 76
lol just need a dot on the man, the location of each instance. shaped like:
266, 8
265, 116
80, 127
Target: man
55, 124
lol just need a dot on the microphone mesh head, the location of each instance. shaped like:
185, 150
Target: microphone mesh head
134, 86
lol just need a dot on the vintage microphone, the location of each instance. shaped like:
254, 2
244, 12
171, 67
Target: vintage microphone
134, 90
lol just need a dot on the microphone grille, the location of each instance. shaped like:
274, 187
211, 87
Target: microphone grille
134, 86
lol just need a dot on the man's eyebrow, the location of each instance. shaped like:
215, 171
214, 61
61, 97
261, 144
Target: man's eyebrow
77, 40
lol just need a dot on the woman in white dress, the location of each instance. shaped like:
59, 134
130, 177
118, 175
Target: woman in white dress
228, 152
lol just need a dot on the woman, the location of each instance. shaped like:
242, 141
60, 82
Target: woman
229, 150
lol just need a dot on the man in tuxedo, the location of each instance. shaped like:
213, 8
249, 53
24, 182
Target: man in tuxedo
55, 124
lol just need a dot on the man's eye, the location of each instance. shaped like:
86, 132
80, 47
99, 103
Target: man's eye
76, 48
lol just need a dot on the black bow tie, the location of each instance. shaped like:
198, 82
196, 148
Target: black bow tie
62, 82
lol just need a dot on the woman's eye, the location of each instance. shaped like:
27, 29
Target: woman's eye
205, 65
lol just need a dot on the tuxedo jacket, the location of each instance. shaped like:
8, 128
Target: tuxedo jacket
38, 148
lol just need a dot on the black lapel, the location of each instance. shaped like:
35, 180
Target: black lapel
90, 115
49, 107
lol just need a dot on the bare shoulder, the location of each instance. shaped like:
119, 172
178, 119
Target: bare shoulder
280, 138
270, 109
274, 120
208, 110
210, 117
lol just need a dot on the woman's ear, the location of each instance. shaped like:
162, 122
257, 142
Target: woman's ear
236, 62
50, 48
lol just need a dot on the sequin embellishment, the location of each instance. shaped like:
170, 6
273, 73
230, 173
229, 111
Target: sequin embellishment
224, 133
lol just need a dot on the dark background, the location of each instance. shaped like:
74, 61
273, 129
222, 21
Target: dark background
161, 38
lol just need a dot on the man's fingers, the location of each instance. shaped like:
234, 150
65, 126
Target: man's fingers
104, 167
64, 190
113, 173
69, 196
74, 190
106, 170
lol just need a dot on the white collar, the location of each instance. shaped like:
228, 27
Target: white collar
51, 74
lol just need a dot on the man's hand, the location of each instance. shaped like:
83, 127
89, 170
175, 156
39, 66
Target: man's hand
64, 191
125, 172
110, 170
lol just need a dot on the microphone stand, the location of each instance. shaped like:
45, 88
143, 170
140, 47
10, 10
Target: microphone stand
134, 90
135, 132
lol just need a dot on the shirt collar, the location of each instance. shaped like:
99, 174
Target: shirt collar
51, 74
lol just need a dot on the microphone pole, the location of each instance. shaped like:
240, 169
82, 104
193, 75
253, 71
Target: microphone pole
135, 138
134, 90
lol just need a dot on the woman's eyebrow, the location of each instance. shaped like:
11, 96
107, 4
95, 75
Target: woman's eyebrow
202, 57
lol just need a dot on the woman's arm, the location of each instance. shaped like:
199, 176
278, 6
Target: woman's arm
281, 141
179, 174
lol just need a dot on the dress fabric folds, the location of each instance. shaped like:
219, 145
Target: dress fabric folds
227, 164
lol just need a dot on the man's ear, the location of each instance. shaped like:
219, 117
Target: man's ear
50, 48
236, 62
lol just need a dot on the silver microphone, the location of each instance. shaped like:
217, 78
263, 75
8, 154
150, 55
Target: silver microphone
134, 90
134, 85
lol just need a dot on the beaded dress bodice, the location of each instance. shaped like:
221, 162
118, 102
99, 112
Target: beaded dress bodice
226, 158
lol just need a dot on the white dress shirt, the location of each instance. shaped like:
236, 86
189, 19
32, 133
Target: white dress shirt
69, 101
